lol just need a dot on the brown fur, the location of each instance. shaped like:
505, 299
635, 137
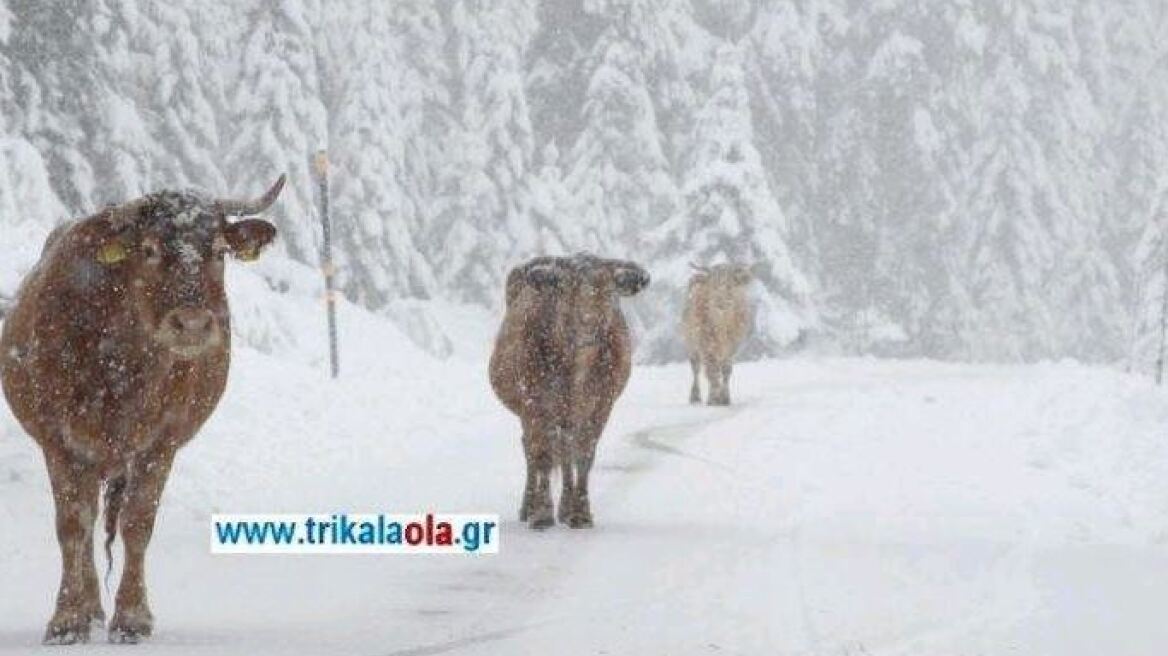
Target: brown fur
562, 357
111, 363
714, 324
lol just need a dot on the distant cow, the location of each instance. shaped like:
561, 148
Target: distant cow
113, 355
561, 359
714, 323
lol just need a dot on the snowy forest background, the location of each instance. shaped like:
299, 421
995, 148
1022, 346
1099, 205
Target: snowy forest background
970, 179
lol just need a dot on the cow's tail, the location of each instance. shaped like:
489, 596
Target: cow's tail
560, 447
115, 496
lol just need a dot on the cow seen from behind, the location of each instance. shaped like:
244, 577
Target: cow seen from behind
561, 359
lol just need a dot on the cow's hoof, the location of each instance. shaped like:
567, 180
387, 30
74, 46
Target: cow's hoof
128, 635
578, 514
67, 631
565, 509
695, 398
131, 627
541, 517
61, 635
580, 521
525, 505
718, 402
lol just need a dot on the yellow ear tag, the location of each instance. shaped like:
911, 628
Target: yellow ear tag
111, 253
248, 255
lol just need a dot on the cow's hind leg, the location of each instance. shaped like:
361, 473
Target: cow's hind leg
566, 456
695, 390
75, 495
583, 455
538, 495
717, 393
580, 513
529, 484
727, 369
132, 618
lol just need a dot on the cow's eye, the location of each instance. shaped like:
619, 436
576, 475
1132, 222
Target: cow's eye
152, 250
111, 252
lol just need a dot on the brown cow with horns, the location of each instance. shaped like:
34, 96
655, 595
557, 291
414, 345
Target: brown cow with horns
114, 354
562, 357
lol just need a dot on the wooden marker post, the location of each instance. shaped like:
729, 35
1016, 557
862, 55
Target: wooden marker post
320, 164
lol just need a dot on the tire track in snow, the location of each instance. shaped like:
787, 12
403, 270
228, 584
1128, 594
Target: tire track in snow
648, 439
651, 438
456, 644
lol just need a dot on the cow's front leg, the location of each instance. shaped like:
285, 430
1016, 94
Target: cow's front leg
565, 450
132, 618
93, 608
75, 495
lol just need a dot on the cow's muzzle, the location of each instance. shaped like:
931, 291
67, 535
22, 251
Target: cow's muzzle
189, 332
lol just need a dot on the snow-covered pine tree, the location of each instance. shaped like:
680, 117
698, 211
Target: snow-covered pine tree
1144, 207
617, 170
730, 215
557, 71
122, 147
485, 223
8, 106
62, 95
785, 60
28, 206
1034, 267
551, 206
1135, 78
136, 110
1151, 275
386, 107
277, 117
184, 57
886, 196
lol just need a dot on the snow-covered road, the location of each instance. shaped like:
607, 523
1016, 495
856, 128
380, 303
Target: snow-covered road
840, 507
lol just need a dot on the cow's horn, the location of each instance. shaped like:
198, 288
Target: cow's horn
252, 207
699, 267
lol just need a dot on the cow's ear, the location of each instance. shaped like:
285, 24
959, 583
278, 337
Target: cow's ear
630, 279
743, 275
247, 238
541, 275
